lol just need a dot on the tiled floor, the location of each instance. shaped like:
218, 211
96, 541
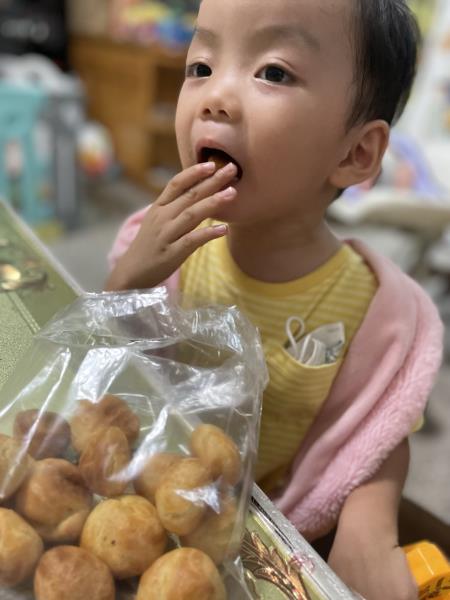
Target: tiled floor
84, 252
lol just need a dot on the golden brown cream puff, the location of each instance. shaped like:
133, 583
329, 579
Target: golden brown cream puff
104, 460
216, 535
20, 549
154, 471
72, 573
126, 534
43, 434
180, 496
218, 452
183, 574
110, 411
55, 500
15, 464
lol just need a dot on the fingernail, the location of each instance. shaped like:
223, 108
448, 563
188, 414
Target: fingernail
209, 167
229, 167
228, 193
222, 229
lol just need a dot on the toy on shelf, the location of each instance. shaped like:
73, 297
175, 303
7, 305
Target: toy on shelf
169, 23
95, 150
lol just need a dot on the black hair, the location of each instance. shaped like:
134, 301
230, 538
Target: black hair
386, 49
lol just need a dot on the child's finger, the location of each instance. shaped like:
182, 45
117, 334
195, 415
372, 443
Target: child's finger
184, 181
206, 188
189, 243
194, 215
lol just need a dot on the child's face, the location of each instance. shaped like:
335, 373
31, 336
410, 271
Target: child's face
270, 83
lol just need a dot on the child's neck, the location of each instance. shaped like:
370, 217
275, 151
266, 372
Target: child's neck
284, 252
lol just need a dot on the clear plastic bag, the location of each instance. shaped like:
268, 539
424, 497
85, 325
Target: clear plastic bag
129, 430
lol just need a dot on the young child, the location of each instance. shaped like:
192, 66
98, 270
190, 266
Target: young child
285, 104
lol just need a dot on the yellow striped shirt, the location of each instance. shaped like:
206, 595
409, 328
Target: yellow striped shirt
340, 290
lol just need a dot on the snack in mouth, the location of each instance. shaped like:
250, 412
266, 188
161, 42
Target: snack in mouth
20, 549
221, 159
110, 411
55, 500
216, 535
15, 464
104, 461
126, 534
72, 573
179, 497
43, 434
217, 452
153, 473
182, 574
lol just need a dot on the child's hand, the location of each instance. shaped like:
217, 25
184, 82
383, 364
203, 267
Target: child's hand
374, 569
169, 234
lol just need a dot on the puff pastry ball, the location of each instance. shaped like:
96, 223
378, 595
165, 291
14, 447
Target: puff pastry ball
55, 500
217, 159
20, 548
110, 411
15, 464
154, 471
104, 461
72, 573
126, 534
43, 434
183, 574
218, 452
216, 535
179, 514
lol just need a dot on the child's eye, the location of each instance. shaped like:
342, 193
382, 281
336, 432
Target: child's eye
198, 70
275, 74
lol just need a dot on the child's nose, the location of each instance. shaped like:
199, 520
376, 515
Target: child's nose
222, 103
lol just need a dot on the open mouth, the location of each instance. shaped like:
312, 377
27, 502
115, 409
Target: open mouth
221, 159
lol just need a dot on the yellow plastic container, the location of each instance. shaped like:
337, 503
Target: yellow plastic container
431, 570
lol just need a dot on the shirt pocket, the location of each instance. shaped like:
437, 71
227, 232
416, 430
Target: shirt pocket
292, 400
297, 385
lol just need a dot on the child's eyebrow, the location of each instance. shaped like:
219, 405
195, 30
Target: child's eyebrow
207, 36
271, 33
274, 33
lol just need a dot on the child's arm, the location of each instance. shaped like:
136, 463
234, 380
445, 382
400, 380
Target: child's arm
366, 552
169, 233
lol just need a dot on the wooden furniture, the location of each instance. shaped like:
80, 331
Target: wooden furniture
133, 90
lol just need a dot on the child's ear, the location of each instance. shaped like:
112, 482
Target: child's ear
363, 158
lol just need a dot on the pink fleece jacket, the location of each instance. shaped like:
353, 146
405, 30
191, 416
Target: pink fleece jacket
379, 394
